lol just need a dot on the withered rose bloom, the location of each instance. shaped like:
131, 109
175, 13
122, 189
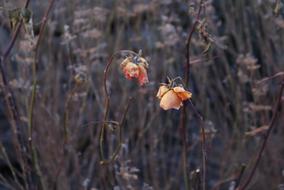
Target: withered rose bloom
172, 98
135, 67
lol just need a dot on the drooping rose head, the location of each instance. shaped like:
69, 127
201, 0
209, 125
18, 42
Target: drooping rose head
172, 97
135, 67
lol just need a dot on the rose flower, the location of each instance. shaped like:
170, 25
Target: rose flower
135, 67
172, 97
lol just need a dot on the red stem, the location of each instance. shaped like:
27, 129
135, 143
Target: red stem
183, 114
187, 70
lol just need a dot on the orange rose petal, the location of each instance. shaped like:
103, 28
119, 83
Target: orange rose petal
182, 93
162, 90
170, 100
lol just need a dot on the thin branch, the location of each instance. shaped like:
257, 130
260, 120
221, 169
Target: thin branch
266, 79
265, 140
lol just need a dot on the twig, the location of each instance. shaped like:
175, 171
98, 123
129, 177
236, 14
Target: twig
269, 78
265, 140
33, 96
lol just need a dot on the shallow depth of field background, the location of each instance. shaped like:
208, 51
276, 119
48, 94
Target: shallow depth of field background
226, 83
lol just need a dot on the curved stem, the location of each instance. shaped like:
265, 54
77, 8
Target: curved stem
33, 96
107, 96
187, 70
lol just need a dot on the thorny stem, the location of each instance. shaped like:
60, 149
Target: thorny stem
107, 97
10, 101
33, 96
183, 114
265, 139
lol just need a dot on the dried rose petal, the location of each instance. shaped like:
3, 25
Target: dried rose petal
182, 93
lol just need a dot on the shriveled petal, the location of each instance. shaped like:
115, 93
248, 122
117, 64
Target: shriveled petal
143, 76
162, 90
170, 100
130, 70
182, 93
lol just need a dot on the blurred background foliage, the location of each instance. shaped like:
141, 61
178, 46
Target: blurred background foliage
229, 82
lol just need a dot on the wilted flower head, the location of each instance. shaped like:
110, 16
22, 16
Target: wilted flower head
172, 95
135, 67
